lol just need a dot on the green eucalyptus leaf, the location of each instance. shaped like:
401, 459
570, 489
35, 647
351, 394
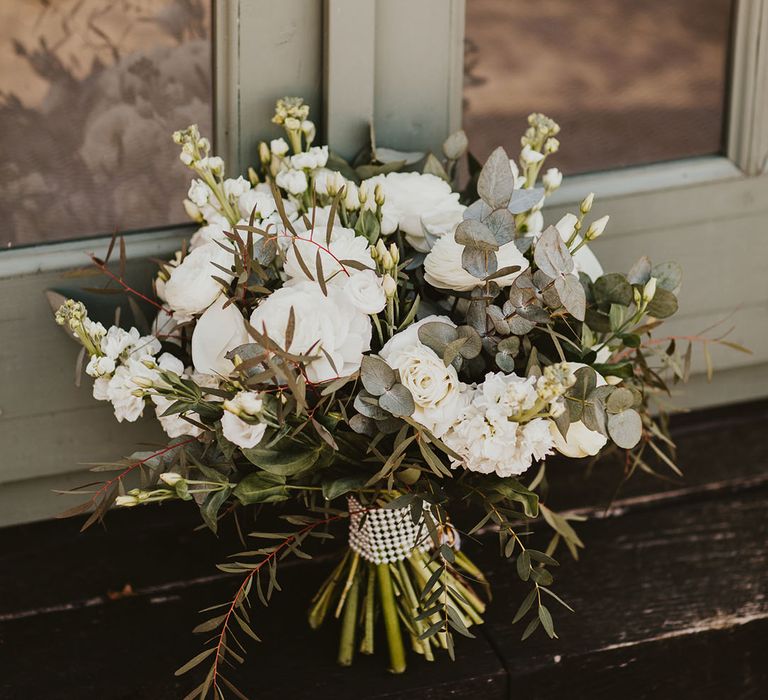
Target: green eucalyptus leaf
368, 405
437, 335
669, 276
551, 254
663, 305
377, 376
625, 428
475, 234
572, 296
432, 166
620, 400
398, 401
640, 272
613, 288
501, 223
524, 200
479, 263
333, 488
496, 182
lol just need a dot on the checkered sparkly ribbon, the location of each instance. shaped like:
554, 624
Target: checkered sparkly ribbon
386, 535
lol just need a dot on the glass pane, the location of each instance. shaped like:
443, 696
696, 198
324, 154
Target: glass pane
90, 92
629, 82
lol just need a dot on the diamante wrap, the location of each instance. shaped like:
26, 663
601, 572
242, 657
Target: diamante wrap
388, 534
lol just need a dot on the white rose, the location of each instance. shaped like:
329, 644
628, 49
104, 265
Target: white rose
344, 245
294, 181
580, 441
584, 259
438, 394
242, 434
413, 198
217, 331
366, 292
326, 327
191, 288
279, 147
442, 266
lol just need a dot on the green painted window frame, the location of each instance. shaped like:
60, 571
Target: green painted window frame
353, 61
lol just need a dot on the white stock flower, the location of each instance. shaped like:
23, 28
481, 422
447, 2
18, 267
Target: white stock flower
294, 181
442, 266
414, 200
328, 328
344, 245
122, 390
438, 394
100, 365
315, 157
552, 179
279, 147
580, 441
200, 194
584, 259
234, 188
528, 156
217, 331
486, 436
191, 288
258, 200
365, 290
243, 433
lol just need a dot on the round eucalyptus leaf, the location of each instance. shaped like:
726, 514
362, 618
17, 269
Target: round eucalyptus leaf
475, 234
473, 344
455, 145
437, 335
368, 406
663, 305
398, 401
669, 276
620, 400
613, 288
496, 182
625, 428
377, 376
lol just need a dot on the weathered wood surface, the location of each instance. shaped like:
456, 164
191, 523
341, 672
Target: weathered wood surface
671, 598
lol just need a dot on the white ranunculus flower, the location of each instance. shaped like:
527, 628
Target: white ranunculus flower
295, 181
580, 441
240, 433
365, 290
442, 266
344, 245
191, 288
217, 331
438, 394
413, 200
584, 259
326, 327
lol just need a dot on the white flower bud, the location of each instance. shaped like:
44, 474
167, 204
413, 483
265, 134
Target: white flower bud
597, 227
193, 212
292, 124
586, 205
126, 501
390, 286
378, 195
551, 145
394, 251
552, 179
351, 197
143, 382
309, 131
649, 291
171, 478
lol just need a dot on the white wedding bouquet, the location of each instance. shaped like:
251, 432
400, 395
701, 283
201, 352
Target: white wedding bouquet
362, 342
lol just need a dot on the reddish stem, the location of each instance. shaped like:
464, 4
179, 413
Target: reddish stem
104, 269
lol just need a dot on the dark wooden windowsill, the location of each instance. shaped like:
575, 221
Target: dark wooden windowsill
671, 597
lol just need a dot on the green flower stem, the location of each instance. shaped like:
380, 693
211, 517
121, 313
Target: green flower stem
366, 645
348, 624
321, 601
424, 645
391, 623
352, 577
